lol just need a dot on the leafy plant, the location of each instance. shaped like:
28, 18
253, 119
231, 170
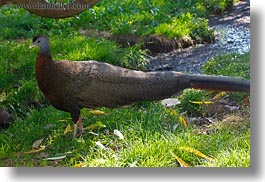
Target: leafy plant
229, 65
187, 100
134, 58
186, 25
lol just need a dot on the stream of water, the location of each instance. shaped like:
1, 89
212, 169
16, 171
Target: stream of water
232, 32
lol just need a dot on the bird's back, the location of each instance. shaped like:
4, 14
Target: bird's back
95, 84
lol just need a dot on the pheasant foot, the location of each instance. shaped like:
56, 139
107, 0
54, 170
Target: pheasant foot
79, 125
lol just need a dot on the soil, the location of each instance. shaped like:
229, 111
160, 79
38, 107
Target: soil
232, 35
153, 43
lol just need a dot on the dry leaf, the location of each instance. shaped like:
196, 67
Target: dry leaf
67, 129
82, 164
48, 126
170, 102
196, 152
119, 134
92, 133
172, 112
210, 92
37, 143
183, 121
95, 125
98, 162
133, 164
246, 101
42, 155
55, 158
35, 150
100, 145
96, 112
219, 95
232, 108
175, 127
62, 120
180, 161
201, 102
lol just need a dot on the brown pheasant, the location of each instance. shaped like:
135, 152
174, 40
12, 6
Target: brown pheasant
73, 85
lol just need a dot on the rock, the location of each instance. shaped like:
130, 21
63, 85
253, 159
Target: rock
170, 102
5, 118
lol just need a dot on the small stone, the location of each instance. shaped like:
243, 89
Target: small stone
5, 118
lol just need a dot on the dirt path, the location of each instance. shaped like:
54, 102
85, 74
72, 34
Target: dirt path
232, 35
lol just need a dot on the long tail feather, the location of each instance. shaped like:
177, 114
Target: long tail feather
222, 83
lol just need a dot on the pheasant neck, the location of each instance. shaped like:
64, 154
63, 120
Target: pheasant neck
43, 66
45, 49
44, 57
45, 53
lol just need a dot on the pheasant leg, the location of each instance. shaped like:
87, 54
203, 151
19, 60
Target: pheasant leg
81, 128
75, 130
80, 125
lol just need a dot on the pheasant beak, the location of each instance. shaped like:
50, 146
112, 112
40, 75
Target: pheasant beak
32, 45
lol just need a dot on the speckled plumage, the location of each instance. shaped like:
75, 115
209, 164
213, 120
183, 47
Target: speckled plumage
73, 85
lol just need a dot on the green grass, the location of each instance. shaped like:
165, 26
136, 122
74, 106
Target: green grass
149, 139
131, 17
229, 65
153, 134
186, 25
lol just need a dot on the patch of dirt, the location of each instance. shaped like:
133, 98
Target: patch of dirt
153, 43
122, 40
160, 44
222, 112
234, 120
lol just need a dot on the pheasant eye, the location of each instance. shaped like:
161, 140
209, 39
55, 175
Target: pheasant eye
38, 41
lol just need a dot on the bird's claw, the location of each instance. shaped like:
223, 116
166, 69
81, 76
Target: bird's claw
80, 134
